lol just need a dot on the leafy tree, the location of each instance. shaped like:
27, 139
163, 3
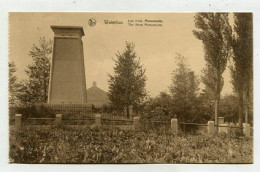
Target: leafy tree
215, 32
242, 68
209, 78
163, 100
24, 93
228, 107
127, 85
158, 108
13, 84
35, 89
184, 90
205, 106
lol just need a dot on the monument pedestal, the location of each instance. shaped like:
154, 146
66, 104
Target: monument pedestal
67, 77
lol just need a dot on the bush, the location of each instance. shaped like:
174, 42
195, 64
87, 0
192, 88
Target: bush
31, 111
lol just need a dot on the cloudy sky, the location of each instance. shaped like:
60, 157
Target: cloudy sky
155, 45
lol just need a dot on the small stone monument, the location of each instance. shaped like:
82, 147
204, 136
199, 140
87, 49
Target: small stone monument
18, 121
67, 77
246, 129
211, 128
137, 123
174, 125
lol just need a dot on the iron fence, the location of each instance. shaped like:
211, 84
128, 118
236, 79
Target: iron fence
39, 121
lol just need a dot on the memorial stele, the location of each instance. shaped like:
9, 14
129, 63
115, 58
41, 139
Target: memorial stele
67, 77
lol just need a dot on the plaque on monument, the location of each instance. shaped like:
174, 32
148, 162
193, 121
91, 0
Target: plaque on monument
67, 79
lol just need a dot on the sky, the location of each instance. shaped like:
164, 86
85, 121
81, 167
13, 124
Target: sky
156, 46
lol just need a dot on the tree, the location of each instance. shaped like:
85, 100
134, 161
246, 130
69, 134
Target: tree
228, 107
242, 68
215, 32
184, 90
163, 100
13, 85
205, 106
127, 85
158, 108
210, 78
35, 89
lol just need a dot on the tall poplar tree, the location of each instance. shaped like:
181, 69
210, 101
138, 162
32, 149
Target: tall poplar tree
127, 85
242, 68
214, 31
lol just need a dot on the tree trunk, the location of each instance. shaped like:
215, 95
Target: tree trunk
247, 98
246, 114
127, 111
45, 89
45, 97
217, 97
240, 108
216, 110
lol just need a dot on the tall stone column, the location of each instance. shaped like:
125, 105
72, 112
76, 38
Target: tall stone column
67, 77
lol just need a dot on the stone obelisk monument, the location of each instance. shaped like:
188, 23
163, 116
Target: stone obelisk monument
67, 77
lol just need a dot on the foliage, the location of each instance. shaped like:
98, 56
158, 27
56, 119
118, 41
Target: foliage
127, 85
161, 108
184, 90
242, 68
205, 107
210, 78
158, 108
163, 100
228, 108
13, 84
35, 89
31, 111
215, 32
106, 145
157, 113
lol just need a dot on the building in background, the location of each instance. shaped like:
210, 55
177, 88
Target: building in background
97, 96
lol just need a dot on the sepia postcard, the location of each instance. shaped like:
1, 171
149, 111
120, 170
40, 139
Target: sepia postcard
131, 88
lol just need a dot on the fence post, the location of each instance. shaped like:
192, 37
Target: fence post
98, 119
18, 121
174, 125
211, 128
246, 129
137, 123
58, 119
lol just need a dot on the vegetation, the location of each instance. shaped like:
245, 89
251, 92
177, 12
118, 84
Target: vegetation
127, 85
35, 89
242, 68
103, 145
215, 32
13, 84
184, 91
154, 142
228, 108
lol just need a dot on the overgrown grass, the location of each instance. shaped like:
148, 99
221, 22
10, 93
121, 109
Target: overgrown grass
112, 145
